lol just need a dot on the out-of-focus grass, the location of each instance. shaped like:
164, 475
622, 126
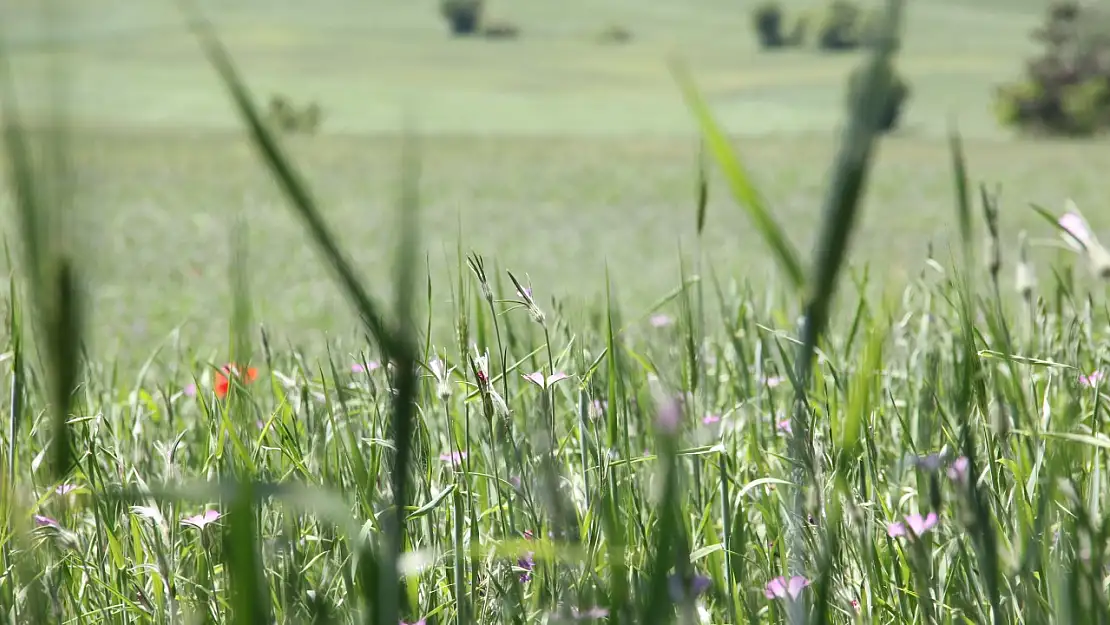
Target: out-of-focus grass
558, 209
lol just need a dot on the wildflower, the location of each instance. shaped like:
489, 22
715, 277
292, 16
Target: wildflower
660, 321
539, 380
1091, 380
442, 374
957, 471
670, 416
772, 381
527, 564
919, 525
65, 489
1077, 234
454, 457
784, 426
781, 588
697, 585
598, 408
526, 299
710, 419
202, 520
855, 605
223, 384
44, 521
190, 389
420, 622
929, 462
369, 367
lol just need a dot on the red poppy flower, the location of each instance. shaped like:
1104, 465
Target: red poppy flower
223, 384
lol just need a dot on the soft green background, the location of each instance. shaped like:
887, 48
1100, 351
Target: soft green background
557, 155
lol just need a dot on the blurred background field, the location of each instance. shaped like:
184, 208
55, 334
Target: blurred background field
558, 154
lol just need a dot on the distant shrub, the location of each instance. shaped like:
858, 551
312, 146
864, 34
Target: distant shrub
891, 109
614, 34
838, 28
284, 117
500, 29
767, 18
1066, 89
463, 16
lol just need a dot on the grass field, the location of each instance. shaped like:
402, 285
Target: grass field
559, 153
599, 442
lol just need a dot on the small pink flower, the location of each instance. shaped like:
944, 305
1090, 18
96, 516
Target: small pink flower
772, 381
190, 389
201, 520
1076, 226
369, 367
710, 419
784, 426
455, 457
957, 471
780, 588
420, 622
921, 524
42, 521
670, 416
661, 321
539, 380
1091, 380
895, 530
855, 605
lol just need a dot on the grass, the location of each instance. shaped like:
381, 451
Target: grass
932, 454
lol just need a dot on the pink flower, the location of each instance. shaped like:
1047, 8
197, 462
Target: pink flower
420, 622
784, 426
1091, 380
1076, 227
539, 380
660, 321
780, 588
454, 457
710, 419
358, 367
772, 381
855, 605
190, 389
65, 489
42, 521
920, 525
895, 530
957, 471
201, 520
670, 416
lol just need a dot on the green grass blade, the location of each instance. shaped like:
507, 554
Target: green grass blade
739, 182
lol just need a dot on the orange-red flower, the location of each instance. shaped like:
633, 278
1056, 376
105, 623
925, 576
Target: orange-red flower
223, 384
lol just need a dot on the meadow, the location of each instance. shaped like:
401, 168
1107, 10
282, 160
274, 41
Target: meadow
565, 373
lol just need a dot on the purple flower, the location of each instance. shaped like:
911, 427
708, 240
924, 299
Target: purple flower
957, 471
895, 530
1091, 380
698, 585
710, 419
660, 320
201, 520
784, 426
454, 457
669, 417
42, 521
190, 389
781, 588
527, 564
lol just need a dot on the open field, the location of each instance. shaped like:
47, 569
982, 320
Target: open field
932, 450
557, 152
